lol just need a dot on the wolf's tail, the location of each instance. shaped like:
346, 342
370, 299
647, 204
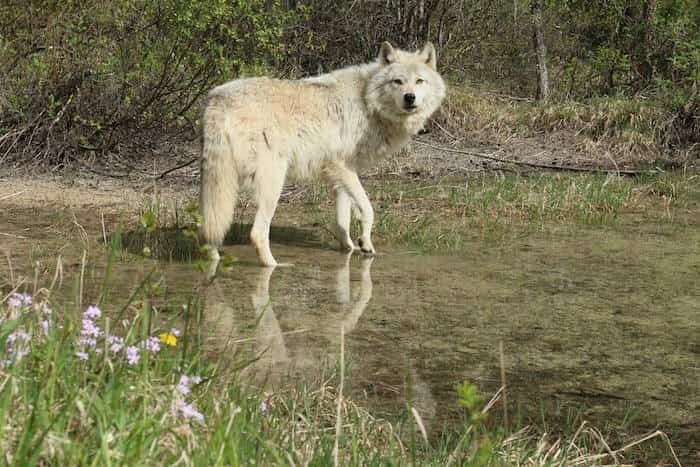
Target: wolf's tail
219, 181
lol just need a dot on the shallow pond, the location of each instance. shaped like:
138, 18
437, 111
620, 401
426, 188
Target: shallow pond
601, 324
598, 323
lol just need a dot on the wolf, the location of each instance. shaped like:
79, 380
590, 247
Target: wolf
258, 131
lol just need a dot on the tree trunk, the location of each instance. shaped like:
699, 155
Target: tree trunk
540, 51
645, 68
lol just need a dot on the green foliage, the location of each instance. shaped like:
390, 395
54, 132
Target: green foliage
66, 401
625, 45
468, 397
85, 79
476, 441
82, 75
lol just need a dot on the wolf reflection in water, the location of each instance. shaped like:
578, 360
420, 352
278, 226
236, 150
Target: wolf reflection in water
311, 337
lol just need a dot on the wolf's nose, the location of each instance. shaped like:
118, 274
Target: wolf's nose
409, 98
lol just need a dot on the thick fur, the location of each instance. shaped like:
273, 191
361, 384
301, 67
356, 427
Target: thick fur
259, 130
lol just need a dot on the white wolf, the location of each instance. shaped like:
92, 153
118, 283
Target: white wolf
257, 130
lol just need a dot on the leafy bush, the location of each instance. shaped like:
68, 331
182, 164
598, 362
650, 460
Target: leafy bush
87, 79
81, 75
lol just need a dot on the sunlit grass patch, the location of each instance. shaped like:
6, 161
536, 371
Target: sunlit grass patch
437, 216
536, 198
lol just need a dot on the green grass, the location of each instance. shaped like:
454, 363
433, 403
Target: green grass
437, 217
60, 410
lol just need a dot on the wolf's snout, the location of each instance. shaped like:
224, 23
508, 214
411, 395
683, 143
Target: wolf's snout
409, 99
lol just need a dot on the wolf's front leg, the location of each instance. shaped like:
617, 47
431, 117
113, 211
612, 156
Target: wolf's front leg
352, 184
343, 206
366, 216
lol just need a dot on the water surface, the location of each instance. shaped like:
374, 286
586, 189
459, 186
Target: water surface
599, 323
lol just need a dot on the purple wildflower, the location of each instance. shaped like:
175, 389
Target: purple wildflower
89, 332
188, 411
90, 328
16, 337
45, 326
17, 300
17, 346
17, 340
152, 344
82, 355
90, 342
92, 312
45, 309
132, 355
116, 343
184, 385
186, 382
175, 332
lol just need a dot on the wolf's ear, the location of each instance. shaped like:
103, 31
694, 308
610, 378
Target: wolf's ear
387, 54
428, 54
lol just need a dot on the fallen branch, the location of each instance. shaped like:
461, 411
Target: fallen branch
491, 157
178, 167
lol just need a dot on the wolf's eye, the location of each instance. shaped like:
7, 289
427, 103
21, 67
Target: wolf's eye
420, 81
398, 81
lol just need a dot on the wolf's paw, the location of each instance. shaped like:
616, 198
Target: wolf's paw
214, 258
347, 245
268, 262
344, 239
366, 246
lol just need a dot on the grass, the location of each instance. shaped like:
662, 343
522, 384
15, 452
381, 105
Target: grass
60, 409
437, 217
630, 129
72, 395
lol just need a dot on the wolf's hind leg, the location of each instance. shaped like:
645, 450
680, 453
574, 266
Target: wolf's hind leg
219, 189
269, 181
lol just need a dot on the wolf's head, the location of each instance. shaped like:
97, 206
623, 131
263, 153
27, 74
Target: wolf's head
406, 85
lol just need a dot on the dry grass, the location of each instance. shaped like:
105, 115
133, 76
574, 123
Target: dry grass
628, 130
587, 447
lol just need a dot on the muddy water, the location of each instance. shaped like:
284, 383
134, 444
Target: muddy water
601, 323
